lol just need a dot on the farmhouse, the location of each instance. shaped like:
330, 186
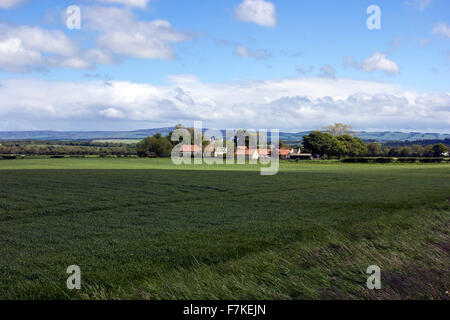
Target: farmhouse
296, 154
251, 154
245, 152
190, 150
284, 153
255, 154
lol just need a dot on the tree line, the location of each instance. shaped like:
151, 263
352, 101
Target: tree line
335, 141
42, 149
416, 150
339, 141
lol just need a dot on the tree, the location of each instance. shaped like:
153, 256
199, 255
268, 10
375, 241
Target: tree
353, 146
393, 152
439, 149
373, 149
405, 151
156, 145
338, 129
192, 131
428, 151
417, 150
283, 145
323, 144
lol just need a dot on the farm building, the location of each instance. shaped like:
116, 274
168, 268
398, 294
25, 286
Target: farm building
255, 154
251, 154
190, 150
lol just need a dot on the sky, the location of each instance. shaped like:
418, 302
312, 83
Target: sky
292, 65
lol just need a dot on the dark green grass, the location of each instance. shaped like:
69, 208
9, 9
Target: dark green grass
164, 232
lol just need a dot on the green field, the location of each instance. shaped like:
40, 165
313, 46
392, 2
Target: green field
145, 229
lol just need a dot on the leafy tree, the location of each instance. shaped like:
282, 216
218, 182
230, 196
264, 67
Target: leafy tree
324, 144
373, 149
283, 145
155, 145
240, 134
417, 150
428, 151
353, 146
405, 152
338, 129
192, 132
439, 149
393, 152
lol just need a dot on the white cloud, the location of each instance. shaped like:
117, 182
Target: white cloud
131, 3
15, 58
257, 11
119, 34
242, 51
379, 61
6, 4
123, 34
419, 4
24, 48
36, 38
292, 103
442, 29
327, 72
112, 113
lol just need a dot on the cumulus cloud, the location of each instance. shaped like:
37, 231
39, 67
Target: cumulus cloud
379, 61
376, 62
442, 29
131, 3
260, 12
118, 34
6, 4
123, 34
292, 103
243, 51
24, 49
419, 4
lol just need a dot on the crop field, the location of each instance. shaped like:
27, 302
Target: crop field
146, 229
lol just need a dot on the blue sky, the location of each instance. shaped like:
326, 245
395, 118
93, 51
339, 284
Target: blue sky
285, 64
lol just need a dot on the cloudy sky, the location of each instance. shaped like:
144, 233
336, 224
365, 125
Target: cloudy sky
287, 64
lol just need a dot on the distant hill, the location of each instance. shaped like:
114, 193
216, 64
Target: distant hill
81, 135
140, 134
378, 136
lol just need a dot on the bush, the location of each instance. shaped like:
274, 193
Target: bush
368, 160
408, 160
357, 160
9, 157
384, 160
432, 160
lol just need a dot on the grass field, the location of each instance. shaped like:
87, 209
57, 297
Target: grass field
144, 229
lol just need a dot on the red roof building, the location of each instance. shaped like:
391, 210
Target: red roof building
190, 148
